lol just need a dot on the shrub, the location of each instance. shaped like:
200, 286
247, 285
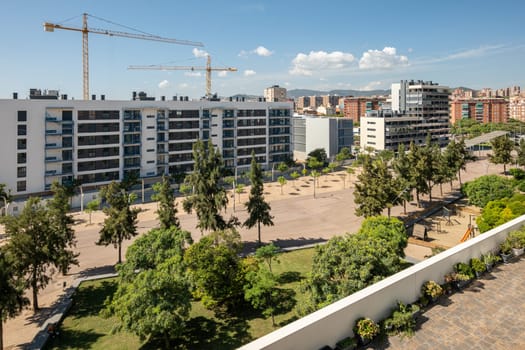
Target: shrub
487, 188
431, 289
463, 269
477, 265
366, 328
402, 320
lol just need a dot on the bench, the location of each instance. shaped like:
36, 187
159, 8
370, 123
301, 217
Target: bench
420, 231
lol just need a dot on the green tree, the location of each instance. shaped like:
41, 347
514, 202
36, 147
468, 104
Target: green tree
332, 166
320, 155
62, 228
418, 174
12, 299
295, 175
262, 291
35, 246
258, 208
239, 189
267, 254
343, 155
391, 230
520, 158
500, 211
92, 206
209, 197
304, 172
501, 151
215, 271
154, 304
487, 188
315, 175
314, 163
282, 181
403, 172
282, 167
167, 211
121, 219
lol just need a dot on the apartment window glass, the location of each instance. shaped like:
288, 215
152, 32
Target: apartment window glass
21, 171
22, 130
21, 144
21, 158
20, 186
22, 116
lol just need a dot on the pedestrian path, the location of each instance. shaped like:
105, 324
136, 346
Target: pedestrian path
489, 314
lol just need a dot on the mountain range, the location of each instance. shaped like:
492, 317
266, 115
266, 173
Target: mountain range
306, 92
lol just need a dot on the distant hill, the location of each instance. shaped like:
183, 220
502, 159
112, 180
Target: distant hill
305, 92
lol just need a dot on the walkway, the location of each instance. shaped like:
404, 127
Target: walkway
489, 314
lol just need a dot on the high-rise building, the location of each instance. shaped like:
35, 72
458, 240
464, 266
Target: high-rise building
330, 100
418, 109
302, 103
517, 108
275, 94
97, 141
483, 110
331, 134
356, 107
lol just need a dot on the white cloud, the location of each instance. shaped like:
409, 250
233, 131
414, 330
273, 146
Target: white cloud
260, 51
371, 85
384, 59
199, 53
183, 85
249, 72
193, 74
222, 74
263, 51
320, 60
164, 84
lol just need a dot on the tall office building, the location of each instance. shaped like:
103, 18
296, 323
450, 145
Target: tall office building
275, 94
50, 139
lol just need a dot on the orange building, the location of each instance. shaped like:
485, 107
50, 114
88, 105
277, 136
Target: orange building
484, 110
356, 107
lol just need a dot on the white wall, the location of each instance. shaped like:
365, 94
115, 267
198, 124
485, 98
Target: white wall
335, 322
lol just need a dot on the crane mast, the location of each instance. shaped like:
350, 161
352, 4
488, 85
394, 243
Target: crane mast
50, 27
208, 70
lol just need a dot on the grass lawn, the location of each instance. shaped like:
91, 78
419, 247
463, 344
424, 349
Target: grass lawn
84, 328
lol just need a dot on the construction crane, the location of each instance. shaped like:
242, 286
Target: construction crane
208, 70
50, 27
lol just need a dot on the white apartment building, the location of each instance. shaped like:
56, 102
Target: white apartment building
310, 133
418, 109
47, 139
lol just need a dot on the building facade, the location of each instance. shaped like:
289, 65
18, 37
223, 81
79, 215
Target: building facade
356, 107
418, 109
47, 140
483, 110
517, 108
275, 94
310, 133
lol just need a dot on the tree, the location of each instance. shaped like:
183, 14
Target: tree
167, 211
262, 292
347, 264
12, 299
282, 181
314, 163
487, 188
92, 206
295, 175
304, 172
520, 158
282, 167
320, 155
62, 228
155, 304
239, 189
315, 175
258, 208
208, 198
268, 254
501, 151
34, 244
391, 230
332, 166
343, 155
500, 211
416, 157
403, 171
121, 220
215, 271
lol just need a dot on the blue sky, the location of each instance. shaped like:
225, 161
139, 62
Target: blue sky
340, 44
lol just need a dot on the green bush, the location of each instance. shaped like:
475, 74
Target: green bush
517, 173
402, 320
487, 188
464, 269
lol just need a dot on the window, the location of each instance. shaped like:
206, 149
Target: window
150, 150
150, 127
151, 139
20, 186
22, 116
21, 158
22, 130
21, 171
21, 144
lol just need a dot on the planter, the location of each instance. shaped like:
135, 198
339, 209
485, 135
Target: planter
489, 267
478, 274
506, 257
517, 251
364, 341
462, 283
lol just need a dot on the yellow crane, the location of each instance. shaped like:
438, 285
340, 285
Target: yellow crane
208, 70
50, 27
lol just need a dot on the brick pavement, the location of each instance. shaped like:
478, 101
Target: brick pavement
489, 314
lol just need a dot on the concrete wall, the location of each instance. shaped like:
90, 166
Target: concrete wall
335, 322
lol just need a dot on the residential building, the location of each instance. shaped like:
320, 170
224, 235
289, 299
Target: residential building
517, 108
484, 110
419, 109
97, 141
310, 133
356, 107
275, 94
302, 103
329, 100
